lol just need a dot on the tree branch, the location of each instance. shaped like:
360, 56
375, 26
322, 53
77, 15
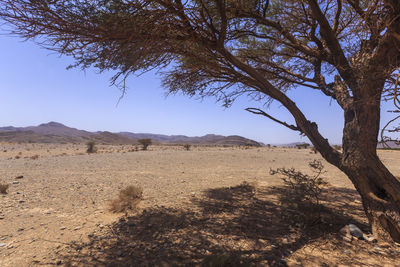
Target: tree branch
261, 112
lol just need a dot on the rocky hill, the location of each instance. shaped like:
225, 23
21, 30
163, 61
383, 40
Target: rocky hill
54, 132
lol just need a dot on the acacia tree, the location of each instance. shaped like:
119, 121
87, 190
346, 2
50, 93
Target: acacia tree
346, 49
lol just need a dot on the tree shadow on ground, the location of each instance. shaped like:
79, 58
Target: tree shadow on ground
243, 220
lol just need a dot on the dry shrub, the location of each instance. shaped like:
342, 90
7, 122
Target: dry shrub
4, 188
187, 146
302, 191
35, 157
91, 147
128, 199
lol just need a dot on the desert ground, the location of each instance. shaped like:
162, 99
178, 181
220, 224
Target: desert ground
198, 203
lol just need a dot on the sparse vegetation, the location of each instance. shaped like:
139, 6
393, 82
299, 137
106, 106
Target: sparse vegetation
304, 145
145, 143
91, 147
302, 189
127, 200
4, 188
187, 146
35, 157
314, 150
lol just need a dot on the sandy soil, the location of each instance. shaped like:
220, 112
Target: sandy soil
195, 205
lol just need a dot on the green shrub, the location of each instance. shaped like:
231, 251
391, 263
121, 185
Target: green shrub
91, 147
145, 143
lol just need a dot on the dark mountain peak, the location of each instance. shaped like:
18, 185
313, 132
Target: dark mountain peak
52, 124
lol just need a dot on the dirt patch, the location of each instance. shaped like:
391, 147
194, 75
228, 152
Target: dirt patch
194, 206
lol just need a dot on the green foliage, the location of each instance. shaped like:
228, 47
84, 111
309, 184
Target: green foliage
145, 143
91, 147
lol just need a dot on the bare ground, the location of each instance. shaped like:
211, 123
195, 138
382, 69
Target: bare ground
196, 206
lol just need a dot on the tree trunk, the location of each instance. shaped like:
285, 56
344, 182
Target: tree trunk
380, 193
379, 189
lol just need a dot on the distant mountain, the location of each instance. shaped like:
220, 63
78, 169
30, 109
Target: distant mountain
389, 144
209, 139
51, 128
54, 132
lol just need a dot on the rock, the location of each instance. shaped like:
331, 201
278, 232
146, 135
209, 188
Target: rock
58, 262
15, 182
2, 245
346, 235
355, 231
77, 228
370, 238
62, 228
21, 201
19, 177
10, 246
119, 253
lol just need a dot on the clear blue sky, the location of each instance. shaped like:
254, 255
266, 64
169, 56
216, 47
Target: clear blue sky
35, 88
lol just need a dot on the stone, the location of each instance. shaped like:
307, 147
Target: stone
355, 231
15, 182
62, 228
370, 238
346, 235
77, 228
3, 245
19, 177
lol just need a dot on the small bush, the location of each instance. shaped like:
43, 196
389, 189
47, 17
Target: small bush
304, 145
128, 199
301, 194
187, 146
302, 188
91, 147
35, 157
145, 143
4, 188
313, 149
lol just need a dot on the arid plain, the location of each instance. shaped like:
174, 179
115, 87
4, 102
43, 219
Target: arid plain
197, 203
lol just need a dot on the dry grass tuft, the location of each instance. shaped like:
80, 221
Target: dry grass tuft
4, 188
35, 157
128, 199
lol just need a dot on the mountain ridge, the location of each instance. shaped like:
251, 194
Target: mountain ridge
55, 132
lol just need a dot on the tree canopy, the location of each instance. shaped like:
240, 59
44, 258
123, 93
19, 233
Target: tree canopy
347, 49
